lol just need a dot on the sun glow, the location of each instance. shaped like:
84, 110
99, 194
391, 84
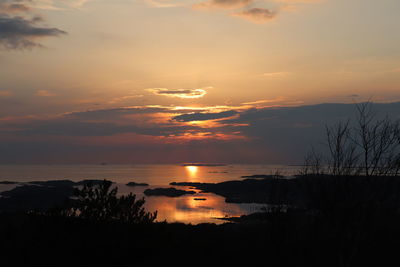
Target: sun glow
192, 171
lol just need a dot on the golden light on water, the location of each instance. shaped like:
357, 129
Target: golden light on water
188, 210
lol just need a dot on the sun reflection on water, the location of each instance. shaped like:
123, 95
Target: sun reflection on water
201, 207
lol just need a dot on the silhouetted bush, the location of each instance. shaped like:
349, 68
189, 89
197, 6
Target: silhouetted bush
99, 202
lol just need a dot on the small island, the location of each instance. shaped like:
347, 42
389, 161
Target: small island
136, 184
168, 192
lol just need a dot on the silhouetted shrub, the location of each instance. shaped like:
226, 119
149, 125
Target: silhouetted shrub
100, 203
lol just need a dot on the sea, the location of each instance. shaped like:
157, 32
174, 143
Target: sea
185, 209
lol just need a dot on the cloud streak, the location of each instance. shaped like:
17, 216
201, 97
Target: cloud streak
45, 93
179, 93
164, 3
222, 4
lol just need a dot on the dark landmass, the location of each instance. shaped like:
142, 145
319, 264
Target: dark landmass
89, 181
189, 184
8, 182
199, 198
303, 192
246, 191
263, 176
264, 216
136, 184
251, 218
54, 183
168, 192
330, 221
306, 192
204, 164
34, 197
277, 239
40, 195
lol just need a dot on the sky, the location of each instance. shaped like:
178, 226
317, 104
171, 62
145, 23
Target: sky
168, 81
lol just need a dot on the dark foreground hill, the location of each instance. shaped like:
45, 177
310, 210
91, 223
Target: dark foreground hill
293, 238
315, 221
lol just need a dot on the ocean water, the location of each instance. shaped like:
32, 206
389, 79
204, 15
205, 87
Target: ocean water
181, 209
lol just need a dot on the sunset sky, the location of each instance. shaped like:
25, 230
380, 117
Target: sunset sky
168, 81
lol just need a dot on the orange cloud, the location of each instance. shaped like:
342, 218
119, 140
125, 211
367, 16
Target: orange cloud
44, 93
256, 15
263, 101
204, 136
4, 93
124, 98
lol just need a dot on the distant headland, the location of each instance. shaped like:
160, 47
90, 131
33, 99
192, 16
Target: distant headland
203, 164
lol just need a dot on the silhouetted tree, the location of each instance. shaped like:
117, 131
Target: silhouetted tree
343, 157
312, 164
378, 140
100, 203
369, 147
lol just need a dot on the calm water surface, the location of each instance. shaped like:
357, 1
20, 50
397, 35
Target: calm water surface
182, 209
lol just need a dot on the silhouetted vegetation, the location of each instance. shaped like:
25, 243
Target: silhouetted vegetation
277, 238
315, 220
100, 203
263, 176
368, 146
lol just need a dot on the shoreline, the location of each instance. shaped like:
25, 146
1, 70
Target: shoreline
302, 192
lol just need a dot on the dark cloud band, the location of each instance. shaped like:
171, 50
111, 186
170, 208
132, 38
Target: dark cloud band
18, 31
204, 116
